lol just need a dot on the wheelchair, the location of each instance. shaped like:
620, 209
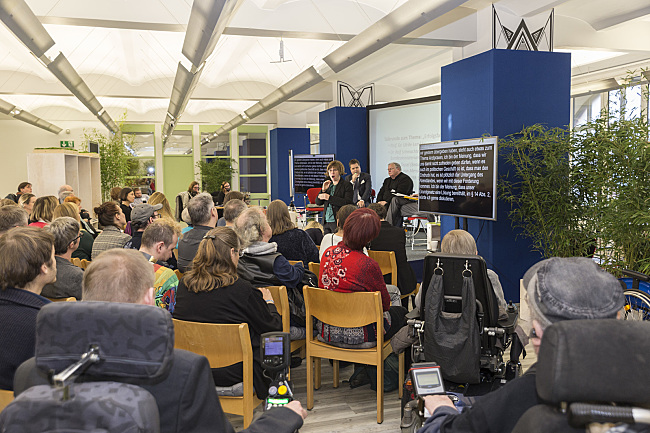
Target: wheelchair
457, 287
637, 295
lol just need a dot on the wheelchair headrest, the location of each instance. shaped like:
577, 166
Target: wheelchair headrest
604, 360
135, 341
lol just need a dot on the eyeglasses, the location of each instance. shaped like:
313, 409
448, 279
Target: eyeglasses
75, 239
240, 252
156, 215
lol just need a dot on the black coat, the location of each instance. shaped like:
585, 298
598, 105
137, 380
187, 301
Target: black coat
365, 186
342, 196
392, 238
402, 184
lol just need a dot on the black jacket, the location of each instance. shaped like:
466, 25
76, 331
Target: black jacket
342, 196
392, 238
188, 245
402, 184
365, 186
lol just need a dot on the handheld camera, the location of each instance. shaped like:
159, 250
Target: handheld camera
276, 359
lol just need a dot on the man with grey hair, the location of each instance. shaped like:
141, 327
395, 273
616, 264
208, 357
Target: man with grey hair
232, 209
64, 191
396, 183
67, 235
204, 218
556, 289
12, 216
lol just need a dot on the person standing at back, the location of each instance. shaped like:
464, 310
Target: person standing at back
361, 184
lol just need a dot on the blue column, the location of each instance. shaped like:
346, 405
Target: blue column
499, 92
344, 132
282, 141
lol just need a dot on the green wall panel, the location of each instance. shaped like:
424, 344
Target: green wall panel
179, 173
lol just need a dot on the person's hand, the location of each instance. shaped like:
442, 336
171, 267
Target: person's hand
360, 203
324, 196
433, 402
266, 294
383, 203
326, 185
355, 176
297, 408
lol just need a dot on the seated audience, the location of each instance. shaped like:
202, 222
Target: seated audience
141, 216
12, 216
556, 289
187, 220
261, 264
232, 195
65, 191
67, 234
43, 211
159, 198
293, 243
27, 265
7, 202
462, 242
212, 292
219, 197
392, 238
204, 218
158, 242
345, 268
26, 201
186, 398
334, 238
139, 196
23, 188
84, 216
115, 194
112, 220
184, 197
85, 248
315, 231
126, 200
231, 210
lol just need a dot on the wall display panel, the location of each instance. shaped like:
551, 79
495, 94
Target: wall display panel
309, 171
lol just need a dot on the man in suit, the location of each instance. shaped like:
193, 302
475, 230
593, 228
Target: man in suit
334, 194
394, 239
361, 184
396, 183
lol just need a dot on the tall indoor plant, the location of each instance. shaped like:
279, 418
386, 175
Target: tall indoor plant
214, 172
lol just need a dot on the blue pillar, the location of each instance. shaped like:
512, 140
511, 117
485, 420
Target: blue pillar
282, 141
499, 92
344, 132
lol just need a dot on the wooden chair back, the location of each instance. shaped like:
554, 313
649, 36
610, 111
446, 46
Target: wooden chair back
85, 263
343, 310
6, 397
314, 267
223, 345
179, 274
281, 300
387, 263
75, 261
293, 262
70, 299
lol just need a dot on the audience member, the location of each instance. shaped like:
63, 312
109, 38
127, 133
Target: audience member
115, 194
112, 220
26, 201
63, 189
556, 289
334, 238
184, 197
344, 268
361, 184
7, 202
231, 210
204, 218
315, 231
139, 196
141, 216
85, 248
158, 242
187, 220
84, 216
43, 210
212, 292
293, 243
23, 188
232, 195
27, 265
394, 239
221, 195
261, 263
126, 199
159, 198
334, 194
67, 234
12, 216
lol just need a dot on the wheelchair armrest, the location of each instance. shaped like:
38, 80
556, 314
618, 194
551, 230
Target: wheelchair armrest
510, 323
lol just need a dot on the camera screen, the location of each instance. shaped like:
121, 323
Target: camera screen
273, 347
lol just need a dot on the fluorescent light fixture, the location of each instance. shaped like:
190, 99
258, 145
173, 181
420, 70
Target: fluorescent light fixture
184, 85
207, 20
20, 19
234, 123
37, 121
105, 118
63, 70
6, 107
402, 21
594, 86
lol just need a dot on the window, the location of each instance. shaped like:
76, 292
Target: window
179, 143
252, 141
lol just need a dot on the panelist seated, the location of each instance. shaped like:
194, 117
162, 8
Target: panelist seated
334, 194
293, 243
212, 292
361, 184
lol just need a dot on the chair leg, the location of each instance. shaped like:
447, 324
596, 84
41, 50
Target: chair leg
335, 365
248, 412
400, 389
317, 373
380, 391
303, 352
310, 383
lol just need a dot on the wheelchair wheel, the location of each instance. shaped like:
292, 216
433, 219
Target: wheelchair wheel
637, 305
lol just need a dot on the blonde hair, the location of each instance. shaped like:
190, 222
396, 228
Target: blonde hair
314, 225
118, 275
458, 242
44, 208
159, 198
66, 209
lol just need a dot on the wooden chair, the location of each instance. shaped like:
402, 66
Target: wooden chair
223, 345
70, 299
6, 397
179, 274
281, 300
85, 263
387, 263
346, 310
75, 261
314, 267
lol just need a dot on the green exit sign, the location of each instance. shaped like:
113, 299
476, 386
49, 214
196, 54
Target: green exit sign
67, 143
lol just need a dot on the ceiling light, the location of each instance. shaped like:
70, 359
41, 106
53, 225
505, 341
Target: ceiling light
184, 85
36, 121
594, 86
20, 19
63, 70
6, 107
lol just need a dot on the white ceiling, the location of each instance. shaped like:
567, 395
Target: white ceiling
127, 52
